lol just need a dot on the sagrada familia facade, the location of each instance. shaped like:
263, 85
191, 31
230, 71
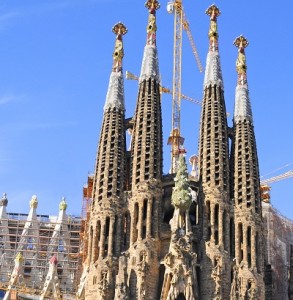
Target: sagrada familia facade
177, 236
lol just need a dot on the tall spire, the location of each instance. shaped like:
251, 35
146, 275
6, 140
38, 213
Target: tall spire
105, 225
146, 171
213, 72
242, 102
115, 95
150, 65
249, 245
3, 205
214, 173
147, 131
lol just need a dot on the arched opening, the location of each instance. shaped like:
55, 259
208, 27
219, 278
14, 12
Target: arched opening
133, 293
248, 242
208, 216
216, 236
240, 244
193, 213
144, 221
90, 243
106, 233
161, 278
135, 222
98, 237
181, 297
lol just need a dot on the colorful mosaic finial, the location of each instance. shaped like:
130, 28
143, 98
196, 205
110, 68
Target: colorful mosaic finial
213, 11
152, 6
53, 260
4, 201
241, 43
34, 202
19, 257
63, 204
119, 30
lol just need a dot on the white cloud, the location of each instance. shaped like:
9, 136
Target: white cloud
6, 17
7, 98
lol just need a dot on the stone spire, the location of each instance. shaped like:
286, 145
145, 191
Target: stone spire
5, 245
30, 234
214, 174
15, 276
180, 262
213, 72
146, 170
52, 281
249, 244
3, 205
242, 103
115, 94
150, 65
107, 215
61, 235
147, 129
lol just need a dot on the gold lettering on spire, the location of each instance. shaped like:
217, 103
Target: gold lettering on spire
241, 43
213, 11
152, 6
119, 30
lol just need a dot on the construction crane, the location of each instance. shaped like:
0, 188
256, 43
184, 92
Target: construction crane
180, 22
265, 185
277, 178
131, 76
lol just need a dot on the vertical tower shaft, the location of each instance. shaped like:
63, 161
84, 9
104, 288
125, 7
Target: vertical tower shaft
214, 174
105, 226
249, 245
146, 156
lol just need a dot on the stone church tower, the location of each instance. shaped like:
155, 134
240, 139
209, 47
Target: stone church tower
249, 240
106, 223
153, 236
214, 175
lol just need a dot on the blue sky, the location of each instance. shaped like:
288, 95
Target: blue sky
55, 62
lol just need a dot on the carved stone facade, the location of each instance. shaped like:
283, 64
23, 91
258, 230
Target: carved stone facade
155, 236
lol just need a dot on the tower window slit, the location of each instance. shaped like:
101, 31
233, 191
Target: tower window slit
106, 233
249, 246
98, 237
240, 244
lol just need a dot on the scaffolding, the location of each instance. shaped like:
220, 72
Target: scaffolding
85, 215
37, 248
279, 239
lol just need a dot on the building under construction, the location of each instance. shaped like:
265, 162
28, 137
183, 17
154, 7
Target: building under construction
180, 236
211, 234
28, 242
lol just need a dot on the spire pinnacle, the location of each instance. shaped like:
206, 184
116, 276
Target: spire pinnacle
241, 43
119, 30
152, 6
34, 202
4, 201
213, 11
63, 204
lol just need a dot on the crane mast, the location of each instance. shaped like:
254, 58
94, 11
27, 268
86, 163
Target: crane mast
175, 139
180, 22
